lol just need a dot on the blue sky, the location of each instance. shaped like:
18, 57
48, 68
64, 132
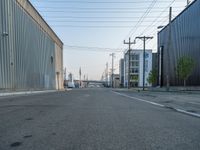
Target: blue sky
89, 27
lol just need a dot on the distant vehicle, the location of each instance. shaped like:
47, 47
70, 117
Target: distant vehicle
71, 85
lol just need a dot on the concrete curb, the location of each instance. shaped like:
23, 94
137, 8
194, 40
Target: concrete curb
161, 105
25, 93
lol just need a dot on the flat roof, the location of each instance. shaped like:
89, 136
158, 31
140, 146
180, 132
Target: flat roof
139, 50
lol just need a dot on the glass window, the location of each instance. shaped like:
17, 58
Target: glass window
146, 65
134, 57
135, 77
135, 64
134, 70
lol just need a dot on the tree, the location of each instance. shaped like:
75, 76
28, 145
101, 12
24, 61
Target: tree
185, 66
152, 78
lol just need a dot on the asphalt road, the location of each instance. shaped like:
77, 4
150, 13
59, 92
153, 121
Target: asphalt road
93, 119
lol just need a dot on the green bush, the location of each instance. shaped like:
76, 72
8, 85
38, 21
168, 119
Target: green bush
185, 66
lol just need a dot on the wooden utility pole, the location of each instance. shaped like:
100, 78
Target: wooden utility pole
129, 43
106, 74
188, 2
144, 38
113, 56
80, 76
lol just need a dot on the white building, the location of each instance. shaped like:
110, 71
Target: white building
136, 67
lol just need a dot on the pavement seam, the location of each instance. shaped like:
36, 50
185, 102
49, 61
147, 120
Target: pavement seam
160, 105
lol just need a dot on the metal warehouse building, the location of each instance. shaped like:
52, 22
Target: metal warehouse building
31, 54
185, 41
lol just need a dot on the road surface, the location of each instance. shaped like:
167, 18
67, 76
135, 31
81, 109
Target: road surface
93, 119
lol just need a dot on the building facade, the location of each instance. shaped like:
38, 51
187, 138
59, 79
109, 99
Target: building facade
185, 41
31, 54
136, 67
116, 81
121, 72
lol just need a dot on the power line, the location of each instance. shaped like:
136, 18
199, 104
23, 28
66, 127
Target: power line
98, 12
153, 22
82, 48
96, 21
102, 2
97, 17
143, 17
154, 19
80, 26
97, 8
157, 18
144, 39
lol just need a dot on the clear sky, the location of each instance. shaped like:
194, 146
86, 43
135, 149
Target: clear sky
93, 29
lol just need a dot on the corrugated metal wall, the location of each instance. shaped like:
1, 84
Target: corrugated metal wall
185, 34
27, 54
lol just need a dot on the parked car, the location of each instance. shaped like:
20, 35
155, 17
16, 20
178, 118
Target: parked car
71, 85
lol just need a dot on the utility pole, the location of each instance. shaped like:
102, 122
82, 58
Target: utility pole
107, 74
65, 74
188, 2
144, 39
129, 43
113, 56
168, 49
80, 76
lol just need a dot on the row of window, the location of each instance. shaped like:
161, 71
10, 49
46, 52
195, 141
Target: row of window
135, 64
134, 77
134, 70
134, 57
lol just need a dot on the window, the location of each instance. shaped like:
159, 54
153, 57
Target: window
146, 65
135, 64
134, 70
134, 77
135, 57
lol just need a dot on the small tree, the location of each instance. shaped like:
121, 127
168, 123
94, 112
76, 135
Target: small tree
185, 67
152, 78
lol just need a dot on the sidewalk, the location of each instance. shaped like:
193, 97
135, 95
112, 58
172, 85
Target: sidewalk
189, 102
193, 90
189, 89
13, 93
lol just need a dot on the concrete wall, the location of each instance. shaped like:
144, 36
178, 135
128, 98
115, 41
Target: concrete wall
59, 67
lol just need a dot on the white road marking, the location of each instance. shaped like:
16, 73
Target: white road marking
139, 99
194, 103
160, 105
188, 113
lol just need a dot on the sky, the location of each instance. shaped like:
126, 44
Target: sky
93, 29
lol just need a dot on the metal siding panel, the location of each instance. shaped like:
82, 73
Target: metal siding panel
28, 47
185, 41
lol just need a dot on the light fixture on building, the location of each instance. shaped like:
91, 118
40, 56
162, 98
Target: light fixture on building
4, 34
160, 27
